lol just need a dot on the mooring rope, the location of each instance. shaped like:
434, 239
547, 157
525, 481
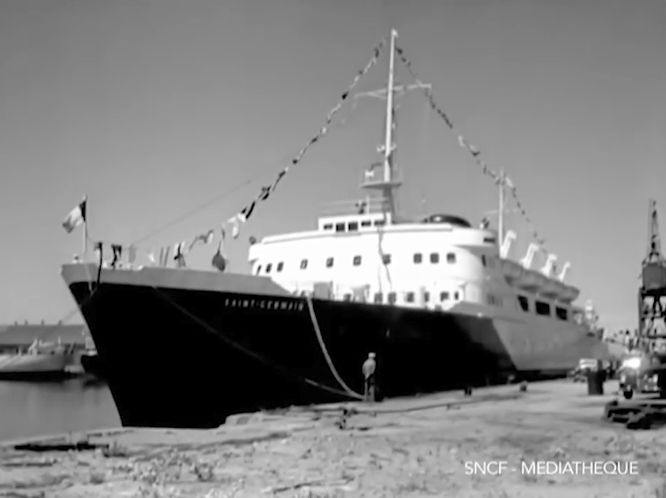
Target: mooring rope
260, 358
322, 345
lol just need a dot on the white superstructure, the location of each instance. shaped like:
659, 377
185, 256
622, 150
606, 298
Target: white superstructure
440, 263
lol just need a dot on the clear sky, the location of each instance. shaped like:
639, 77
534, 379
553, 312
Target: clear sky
153, 107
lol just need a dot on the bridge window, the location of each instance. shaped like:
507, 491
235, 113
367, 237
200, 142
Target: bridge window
378, 298
258, 270
417, 257
561, 313
366, 223
340, 227
426, 297
329, 262
391, 297
489, 240
456, 296
280, 265
386, 259
352, 226
379, 223
542, 308
409, 297
451, 257
434, 257
357, 260
524, 303
268, 267
443, 296
328, 226
483, 260
304, 264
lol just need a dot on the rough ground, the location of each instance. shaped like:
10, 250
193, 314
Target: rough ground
399, 448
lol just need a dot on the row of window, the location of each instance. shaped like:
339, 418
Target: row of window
353, 226
410, 297
356, 261
542, 308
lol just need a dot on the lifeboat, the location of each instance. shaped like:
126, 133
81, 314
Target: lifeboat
512, 271
569, 294
552, 289
531, 281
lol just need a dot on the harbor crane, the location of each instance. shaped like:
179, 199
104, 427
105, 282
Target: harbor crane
645, 368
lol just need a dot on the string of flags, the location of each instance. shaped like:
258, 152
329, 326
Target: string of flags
177, 252
165, 255
236, 220
475, 152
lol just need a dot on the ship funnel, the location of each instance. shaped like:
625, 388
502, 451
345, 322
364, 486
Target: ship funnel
506, 243
531, 251
550, 265
563, 273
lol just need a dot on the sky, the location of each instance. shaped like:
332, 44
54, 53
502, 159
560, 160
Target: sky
153, 108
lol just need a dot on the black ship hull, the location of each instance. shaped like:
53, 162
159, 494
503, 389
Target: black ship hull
183, 357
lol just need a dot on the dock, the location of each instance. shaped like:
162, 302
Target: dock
500, 442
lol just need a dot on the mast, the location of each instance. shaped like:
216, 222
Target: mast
500, 212
388, 181
388, 131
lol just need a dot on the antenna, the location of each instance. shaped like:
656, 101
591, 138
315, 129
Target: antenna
388, 182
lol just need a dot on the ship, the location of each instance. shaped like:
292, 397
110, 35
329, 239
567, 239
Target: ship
438, 301
40, 361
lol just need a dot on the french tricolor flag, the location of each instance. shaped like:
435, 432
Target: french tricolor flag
76, 217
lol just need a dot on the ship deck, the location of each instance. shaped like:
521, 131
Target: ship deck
400, 447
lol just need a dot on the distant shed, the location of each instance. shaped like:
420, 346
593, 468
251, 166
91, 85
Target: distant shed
15, 336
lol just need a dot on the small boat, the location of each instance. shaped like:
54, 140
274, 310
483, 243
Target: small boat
41, 360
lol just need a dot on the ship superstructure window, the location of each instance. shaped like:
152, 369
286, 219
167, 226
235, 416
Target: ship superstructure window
434, 257
328, 226
542, 308
418, 257
347, 297
426, 297
304, 264
483, 260
378, 298
329, 262
391, 297
280, 265
409, 297
443, 296
268, 267
561, 313
379, 223
524, 303
451, 257
456, 296
340, 227
366, 223
258, 270
352, 226
357, 260
386, 259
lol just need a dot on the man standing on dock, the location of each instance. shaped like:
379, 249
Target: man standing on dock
369, 367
